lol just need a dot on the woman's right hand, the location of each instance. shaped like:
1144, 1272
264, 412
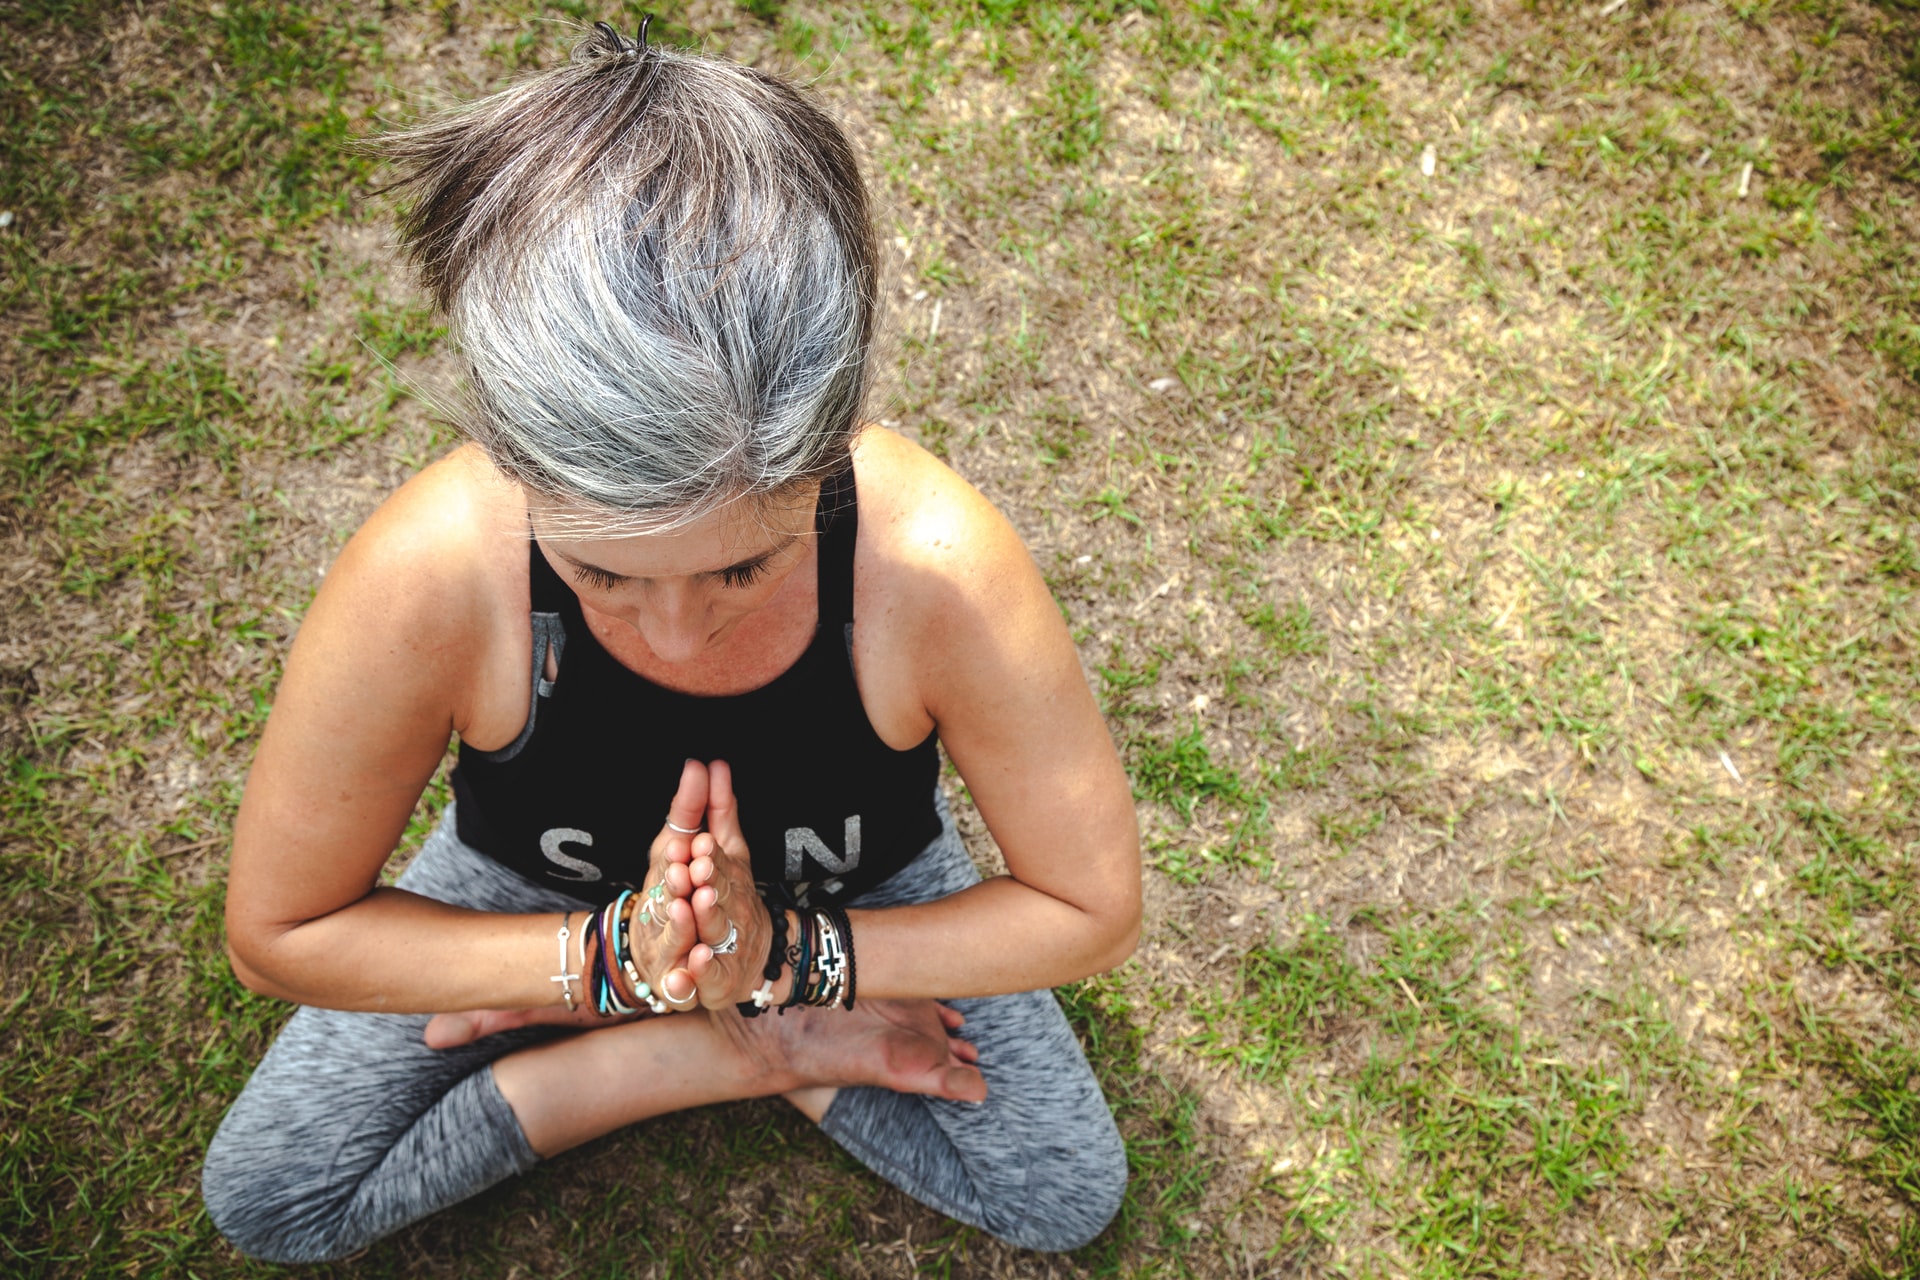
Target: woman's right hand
661, 943
724, 897
656, 949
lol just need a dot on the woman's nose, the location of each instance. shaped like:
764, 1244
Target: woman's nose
673, 623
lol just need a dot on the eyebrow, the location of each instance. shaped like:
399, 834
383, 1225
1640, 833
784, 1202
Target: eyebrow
748, 563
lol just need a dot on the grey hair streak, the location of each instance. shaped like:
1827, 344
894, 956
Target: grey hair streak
659, 272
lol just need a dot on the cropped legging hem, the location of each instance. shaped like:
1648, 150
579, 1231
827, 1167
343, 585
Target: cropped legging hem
352, 1128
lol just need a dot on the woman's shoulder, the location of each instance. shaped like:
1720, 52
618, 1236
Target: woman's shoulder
438, 541
920, 519
434, 568
937, 558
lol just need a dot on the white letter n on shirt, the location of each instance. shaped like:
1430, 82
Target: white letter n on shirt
803, 840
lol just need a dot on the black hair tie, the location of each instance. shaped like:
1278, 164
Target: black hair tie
617, 45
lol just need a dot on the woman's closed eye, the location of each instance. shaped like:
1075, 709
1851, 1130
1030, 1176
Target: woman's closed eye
744, 575
593, 576
734, 575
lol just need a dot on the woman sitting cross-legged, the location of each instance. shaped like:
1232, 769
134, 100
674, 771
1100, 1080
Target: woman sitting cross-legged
700, 633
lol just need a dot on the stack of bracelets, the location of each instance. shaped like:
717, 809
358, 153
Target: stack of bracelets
610, 927
821, 955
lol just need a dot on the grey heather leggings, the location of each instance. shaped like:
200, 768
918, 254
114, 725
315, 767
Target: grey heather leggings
352, 1127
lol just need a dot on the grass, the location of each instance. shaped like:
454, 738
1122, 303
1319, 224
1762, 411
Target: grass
1500, 582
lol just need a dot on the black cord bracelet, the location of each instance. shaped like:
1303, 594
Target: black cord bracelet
842, 922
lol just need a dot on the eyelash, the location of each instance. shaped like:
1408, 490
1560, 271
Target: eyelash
599, 579
743, 575
739, 575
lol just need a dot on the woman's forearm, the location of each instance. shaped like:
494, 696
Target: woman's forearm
996, 937
397, 952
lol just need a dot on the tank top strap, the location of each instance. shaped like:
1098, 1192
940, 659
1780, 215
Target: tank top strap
838, 520
548, 591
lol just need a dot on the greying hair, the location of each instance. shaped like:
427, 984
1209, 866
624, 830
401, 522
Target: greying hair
658, 270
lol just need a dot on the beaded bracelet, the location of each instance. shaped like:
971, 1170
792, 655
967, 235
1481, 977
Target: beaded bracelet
640, 987
776, 953
820, 955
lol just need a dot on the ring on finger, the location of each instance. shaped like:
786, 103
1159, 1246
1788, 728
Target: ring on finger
677, 1001
729, 944
685, 831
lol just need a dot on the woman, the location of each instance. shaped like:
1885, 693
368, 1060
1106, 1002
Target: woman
670, 575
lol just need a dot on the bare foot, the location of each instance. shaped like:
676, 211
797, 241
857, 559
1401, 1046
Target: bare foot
908, 1046
451, 1030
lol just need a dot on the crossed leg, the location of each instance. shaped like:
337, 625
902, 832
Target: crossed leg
354, 1126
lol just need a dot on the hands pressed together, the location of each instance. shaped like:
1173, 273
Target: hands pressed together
718, 930
699, 936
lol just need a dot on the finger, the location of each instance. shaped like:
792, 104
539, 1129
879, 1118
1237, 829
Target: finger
951, 1017
689, 806
682, 930
723, 811
706, 870
679, 990
703, 867
963, 1050
678, 879
709, 917
712, 977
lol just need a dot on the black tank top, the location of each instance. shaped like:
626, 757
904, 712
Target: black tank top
577, 799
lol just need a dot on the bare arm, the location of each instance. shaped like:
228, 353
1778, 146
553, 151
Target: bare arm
995, 671
380, 676
1004, 686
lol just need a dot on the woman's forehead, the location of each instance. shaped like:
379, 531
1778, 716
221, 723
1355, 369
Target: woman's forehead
731, 534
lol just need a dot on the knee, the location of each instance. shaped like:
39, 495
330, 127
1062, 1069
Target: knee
1072, 1199
255, 1206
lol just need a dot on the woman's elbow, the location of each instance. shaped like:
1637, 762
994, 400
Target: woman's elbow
249, 949
249, 977
1119, 940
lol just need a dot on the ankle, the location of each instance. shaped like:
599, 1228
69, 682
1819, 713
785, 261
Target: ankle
757, 1054
812, 1102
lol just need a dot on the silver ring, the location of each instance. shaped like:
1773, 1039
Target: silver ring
685, 831
729, 944
684, 1000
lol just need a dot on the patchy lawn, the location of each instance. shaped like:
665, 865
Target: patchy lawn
1473, 444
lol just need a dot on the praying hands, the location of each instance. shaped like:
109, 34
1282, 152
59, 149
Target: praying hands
666, 951
698, 936
695, 935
